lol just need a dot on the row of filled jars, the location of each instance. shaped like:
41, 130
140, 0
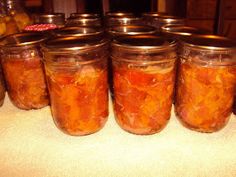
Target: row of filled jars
58, 20
75, 72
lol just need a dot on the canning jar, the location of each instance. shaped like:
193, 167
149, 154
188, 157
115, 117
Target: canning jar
144, 77
58, 19
16, 12
23, 70
2, 87
76, 71
77, 21
115, 15
206, 82
79, 31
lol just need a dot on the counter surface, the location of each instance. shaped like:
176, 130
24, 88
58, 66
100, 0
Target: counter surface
31, 145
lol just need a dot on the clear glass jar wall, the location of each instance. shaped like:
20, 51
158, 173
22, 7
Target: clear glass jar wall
206, 83
23, 70
76, 72
144, 77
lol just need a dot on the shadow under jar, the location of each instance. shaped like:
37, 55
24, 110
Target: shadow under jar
76, 71
206, 82
23, 70
144, 77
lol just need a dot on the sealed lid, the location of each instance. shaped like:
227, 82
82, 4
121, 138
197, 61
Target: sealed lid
124, 21
54, 18
118, 14
64, 44
78, 31
84, 15
131, 30
147, 43
171, 19
209, 42
181, 30
22, 39
83, 22
154, 14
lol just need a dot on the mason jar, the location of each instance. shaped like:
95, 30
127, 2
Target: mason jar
79, 31
90, 22
144, 77
76, 72
116, 15
23, 70
57, 19
206, 82
150, 18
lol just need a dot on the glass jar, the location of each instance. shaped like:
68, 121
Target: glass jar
16, 12
114, 15
77, 21
2, 87
57, 19
7, 23
131, 30
79, 31
206, 82
76, 71
23, 70
144, 77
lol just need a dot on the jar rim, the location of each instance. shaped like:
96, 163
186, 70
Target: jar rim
22, 39
208, 42
131, 30
73, 44
144, 43
78, 31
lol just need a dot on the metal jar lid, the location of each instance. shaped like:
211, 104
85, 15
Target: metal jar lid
131, 30
171, 20
208, 42
84, 15
179, 31
118, 14
22, 39
153, 14
54, 18
73, 44
78, 31
83, 22
124, 21
145, 43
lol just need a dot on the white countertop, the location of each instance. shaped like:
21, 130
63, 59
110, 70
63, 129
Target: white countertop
31, 145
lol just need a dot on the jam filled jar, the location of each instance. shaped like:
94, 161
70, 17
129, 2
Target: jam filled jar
76, 72
144, 77
206, 82
23, 70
